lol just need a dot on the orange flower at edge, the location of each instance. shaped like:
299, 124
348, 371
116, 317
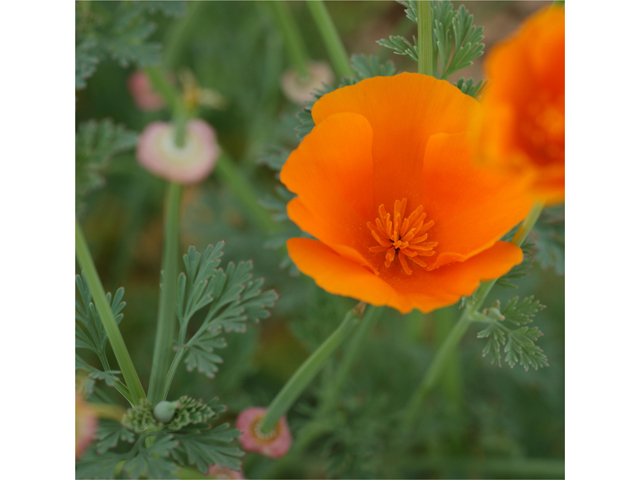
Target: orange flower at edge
387, 182
524, 104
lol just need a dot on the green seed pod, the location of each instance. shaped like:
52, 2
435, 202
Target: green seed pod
164, 411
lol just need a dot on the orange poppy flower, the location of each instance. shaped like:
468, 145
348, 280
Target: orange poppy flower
387, 183
524, 104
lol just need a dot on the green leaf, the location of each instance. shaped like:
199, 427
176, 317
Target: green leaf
109, 376
168, 8
200, 354
467, 86
518, 345
401, 46
411, 10
203, 448
88, 56
274, 157
457, 40
191, 411
96, 143
370, 66
111, 433
97, 466
152, 461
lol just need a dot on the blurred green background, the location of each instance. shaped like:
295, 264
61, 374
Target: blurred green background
481, 422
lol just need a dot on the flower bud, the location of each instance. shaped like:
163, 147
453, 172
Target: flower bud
273, 444
190, 163
164, 411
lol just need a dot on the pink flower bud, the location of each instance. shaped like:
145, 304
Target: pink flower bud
86, 425
220, 472
144, 96
274, 444
191, 163
301, 91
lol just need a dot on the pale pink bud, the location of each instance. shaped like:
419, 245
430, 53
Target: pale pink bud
220, 472
191, 163
299, 90
273, 444
144, 96
86, 425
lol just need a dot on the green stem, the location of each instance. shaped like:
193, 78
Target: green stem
120, 351
307, 371
426, 57
436, 368
166, 314
292, 38
172, 371
232, 177
350, 356
329, 34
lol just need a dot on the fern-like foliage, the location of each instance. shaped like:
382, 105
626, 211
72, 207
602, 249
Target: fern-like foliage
457, 39
548, 238
518, 345
229, 299
467, 86
401, 46
96, 143
519, 271
91, 335
119, 31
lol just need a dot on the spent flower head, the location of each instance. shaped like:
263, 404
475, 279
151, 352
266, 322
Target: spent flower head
191, 163
300, 90
273, 444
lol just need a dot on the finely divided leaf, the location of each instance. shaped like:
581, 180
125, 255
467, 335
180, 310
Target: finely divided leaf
202, 448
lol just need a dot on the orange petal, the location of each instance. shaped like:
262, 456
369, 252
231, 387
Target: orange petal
331, 171
404, 111
339, 275
472, 206
425, 290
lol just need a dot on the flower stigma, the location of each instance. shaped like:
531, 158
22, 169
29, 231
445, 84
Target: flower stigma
402, 236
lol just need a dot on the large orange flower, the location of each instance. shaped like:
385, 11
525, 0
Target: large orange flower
387, 184
524, 103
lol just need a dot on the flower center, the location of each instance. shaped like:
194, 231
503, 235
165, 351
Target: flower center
256, 429
402, 236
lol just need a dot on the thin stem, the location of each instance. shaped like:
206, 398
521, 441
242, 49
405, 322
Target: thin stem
350, 356
293, 42
329, 34
232, 177
308, 370
172, 371
166, 314
436, 368
426, 56
120, 351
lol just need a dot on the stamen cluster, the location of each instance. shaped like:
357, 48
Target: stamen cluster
402, 236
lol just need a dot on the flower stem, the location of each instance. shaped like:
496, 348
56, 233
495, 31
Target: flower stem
166, 313
351, 354
308, 370
106, 316
332, 42
293, 42
426, 57
436, 368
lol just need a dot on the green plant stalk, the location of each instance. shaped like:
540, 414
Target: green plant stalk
232, 177
436, 368
426, 57
307, 372
330, 37
120, 351
293, 42
166, 314
352, 352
